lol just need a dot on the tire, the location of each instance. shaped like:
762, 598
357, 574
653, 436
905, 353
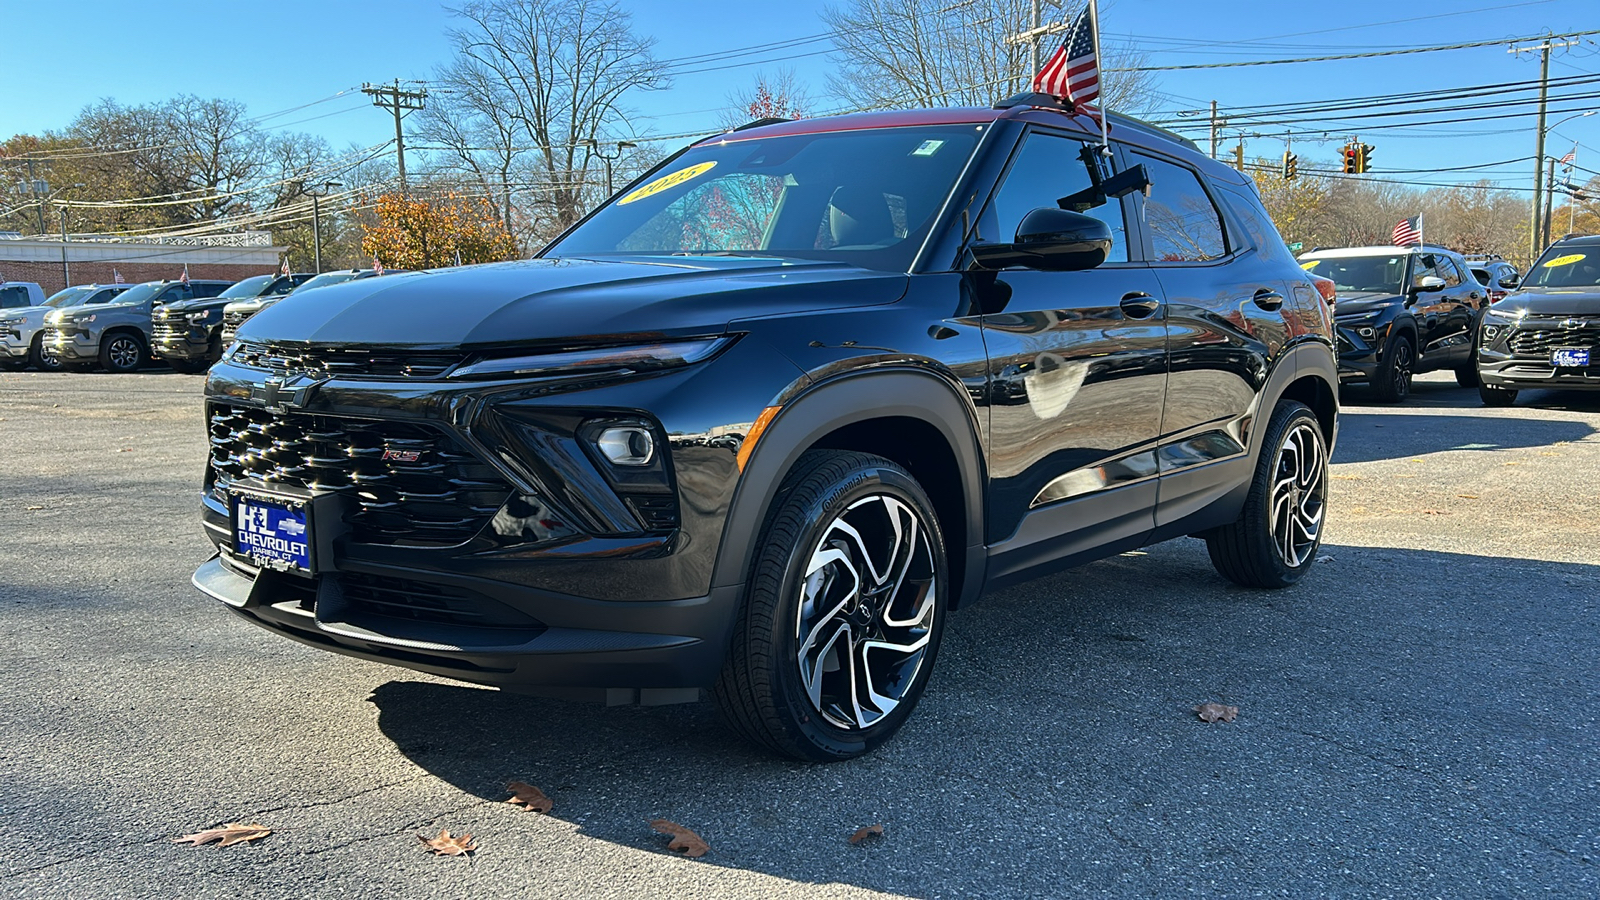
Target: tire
44, 362
776, 688
1496, 396
1393, 381
1269, 546
1467, 375
122, 353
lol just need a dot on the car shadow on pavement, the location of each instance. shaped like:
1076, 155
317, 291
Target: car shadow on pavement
1372, 436
1058, 752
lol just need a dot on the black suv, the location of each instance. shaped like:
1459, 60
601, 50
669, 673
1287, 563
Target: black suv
238, 312
1547, 333
187, 334
1400, 311
762, 420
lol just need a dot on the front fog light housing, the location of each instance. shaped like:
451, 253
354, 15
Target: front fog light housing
1367, 334
627, 445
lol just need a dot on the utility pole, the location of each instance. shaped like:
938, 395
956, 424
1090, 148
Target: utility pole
1036, 30
1534, 242
33, 185
1549, 197
1215, 125
66, 270
399, 102
1238, 154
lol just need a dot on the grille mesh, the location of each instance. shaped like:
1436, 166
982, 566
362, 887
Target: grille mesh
231, 321
1537, 337
328, 362
429, 491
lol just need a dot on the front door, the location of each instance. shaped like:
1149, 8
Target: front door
1077, 372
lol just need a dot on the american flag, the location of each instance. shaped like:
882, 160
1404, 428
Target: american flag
185, 278
116, 277
284, 269
377, 266
1073, 71
1570, 158
1409, 231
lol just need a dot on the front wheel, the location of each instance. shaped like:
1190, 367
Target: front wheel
42, 359
1393, 381
1274, 541
1496, 396
121, 353
842, 616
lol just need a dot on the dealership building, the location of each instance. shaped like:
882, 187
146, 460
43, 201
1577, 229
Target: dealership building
100, 259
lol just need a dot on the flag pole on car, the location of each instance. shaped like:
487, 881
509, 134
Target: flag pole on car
1073, 71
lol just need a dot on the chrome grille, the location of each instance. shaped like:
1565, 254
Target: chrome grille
231, 321
408, 483
175, 328
50, 334
343, 362
1538, 335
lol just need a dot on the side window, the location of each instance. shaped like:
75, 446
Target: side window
13, 297
1046, 169
1424, 264
1449, 271
1183, 222
208, 290
100, 297
175, 293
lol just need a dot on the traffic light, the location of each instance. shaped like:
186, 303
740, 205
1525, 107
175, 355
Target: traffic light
1291, 166
1363, 157
1352, 159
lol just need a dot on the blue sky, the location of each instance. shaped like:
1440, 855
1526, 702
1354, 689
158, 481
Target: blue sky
279, 55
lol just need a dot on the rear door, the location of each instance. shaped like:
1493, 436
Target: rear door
1225, 321
1444, 317
1077, 373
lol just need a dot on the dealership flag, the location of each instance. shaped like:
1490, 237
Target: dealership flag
116, 277
284, 269
377, 266
1571, 157
185, 278
1073, 71
1408, 231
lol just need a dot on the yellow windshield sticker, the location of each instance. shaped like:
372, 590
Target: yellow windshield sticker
1567, 260
668, 182
1310, 265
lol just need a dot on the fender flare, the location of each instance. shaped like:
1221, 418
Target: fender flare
833, 404
1314, 359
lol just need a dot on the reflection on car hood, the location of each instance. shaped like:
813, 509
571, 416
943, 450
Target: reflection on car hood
1349, 303
564, 300
1572, 301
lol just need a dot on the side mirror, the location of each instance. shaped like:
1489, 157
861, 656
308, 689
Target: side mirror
1510, 282
1429, 283
1056, 240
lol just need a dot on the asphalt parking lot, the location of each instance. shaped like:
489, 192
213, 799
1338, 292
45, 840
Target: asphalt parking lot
1418, 719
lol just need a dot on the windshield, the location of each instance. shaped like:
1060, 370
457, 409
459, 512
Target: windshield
140, 292
863, 197
72, 296
1567, 266
250, 287
324, 280
1375, 274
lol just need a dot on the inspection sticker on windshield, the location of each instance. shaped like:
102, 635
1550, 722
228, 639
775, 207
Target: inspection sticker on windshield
928, 148
667, 182
271, 531
1567, 260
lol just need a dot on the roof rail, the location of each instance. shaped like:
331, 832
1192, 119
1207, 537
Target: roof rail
757, 123
1046, 101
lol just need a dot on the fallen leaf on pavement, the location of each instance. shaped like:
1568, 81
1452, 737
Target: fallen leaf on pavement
1216, 712
1468, 496
683, 839
225, 835
529, 797
866, 832
1434, 512
124, 449
34, 508
445, 845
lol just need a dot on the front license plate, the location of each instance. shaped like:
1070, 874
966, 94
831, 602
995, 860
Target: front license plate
1563, 358
276, 533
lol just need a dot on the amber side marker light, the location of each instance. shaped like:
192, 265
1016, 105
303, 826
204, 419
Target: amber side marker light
748, 446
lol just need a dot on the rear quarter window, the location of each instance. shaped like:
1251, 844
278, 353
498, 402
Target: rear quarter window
1183, 223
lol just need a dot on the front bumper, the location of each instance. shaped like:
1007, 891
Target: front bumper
15, 343
1534, 374
1360, 355
73, 346
170, 348
570, 646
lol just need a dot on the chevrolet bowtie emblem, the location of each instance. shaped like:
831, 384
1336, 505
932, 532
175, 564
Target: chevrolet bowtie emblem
280, 394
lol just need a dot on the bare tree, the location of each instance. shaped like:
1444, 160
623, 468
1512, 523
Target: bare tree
779, 96
550, 74
944, 53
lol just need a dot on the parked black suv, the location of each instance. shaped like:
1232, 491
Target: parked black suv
238, 312
1400, 311
761, 421
187, 334
1547, 333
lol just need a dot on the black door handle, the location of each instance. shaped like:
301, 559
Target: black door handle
1139, 305
1268, 299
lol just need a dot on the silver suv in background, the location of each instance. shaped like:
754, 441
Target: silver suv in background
21, 329
117, 335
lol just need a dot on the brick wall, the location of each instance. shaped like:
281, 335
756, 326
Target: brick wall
48, 274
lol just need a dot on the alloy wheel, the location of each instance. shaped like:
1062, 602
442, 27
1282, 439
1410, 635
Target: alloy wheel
1298, 498
1402, 368
124, 353
866, 612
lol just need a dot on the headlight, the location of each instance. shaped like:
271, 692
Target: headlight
636, 358
1503, 316
196, 318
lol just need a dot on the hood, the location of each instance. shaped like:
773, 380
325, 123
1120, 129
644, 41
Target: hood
196, 304
251, 304
1350, 303
1572, 301
566, 301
